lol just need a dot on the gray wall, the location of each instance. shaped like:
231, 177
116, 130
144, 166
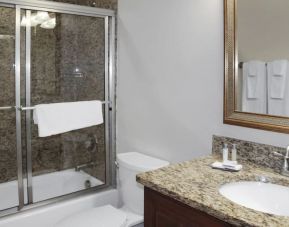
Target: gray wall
170, 81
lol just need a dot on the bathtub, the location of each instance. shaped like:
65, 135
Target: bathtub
47, 186
48, 216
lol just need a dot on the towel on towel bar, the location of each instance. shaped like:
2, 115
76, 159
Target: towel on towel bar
254, 98
58, 118
278, 92
277, 72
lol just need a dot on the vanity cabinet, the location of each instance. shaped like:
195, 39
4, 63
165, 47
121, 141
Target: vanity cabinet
163, 211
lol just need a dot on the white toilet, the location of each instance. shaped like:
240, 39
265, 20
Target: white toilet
131, 195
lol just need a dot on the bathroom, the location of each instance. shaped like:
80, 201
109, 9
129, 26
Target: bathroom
157, 67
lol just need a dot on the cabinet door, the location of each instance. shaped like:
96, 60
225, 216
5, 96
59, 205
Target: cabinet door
163, 211
164, 220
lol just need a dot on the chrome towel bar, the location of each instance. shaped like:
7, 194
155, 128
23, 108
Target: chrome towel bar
7, 107
21, 108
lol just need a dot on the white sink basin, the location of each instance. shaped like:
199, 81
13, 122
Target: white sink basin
264, 197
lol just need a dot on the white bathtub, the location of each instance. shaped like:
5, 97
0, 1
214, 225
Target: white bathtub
48, 216
46, 186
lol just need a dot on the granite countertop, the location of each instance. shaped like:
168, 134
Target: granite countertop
196, 184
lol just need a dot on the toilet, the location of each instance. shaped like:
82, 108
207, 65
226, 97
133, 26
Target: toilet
130, 214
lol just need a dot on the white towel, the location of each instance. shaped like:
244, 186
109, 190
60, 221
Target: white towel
277, 71
254, 92
58, 118
278, 92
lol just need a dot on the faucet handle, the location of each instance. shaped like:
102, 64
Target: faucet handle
285, 169
287, 152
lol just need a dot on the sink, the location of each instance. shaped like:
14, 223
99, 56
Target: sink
264, 197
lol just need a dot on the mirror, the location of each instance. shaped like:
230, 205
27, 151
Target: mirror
257, 64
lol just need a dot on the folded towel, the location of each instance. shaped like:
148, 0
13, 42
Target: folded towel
277, 71
58, 118
279, 67
254, 87
253, 68
219, 165
278, 92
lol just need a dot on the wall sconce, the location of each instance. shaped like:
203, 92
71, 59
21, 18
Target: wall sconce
42, 18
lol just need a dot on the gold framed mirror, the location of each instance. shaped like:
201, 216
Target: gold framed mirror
256, 93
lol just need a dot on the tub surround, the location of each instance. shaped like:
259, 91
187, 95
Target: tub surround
196, 184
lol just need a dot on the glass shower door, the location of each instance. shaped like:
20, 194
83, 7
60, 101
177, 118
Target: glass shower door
51, 56
65, 62
10, 152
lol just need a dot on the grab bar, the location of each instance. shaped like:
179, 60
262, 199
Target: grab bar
21, 108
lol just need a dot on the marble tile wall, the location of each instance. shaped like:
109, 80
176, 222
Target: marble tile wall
261, 154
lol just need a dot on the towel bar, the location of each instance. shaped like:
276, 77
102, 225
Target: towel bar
21, 108
7, 107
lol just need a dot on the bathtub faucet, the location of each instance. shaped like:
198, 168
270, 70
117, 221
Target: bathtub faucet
86, 165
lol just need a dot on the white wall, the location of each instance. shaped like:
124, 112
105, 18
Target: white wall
170, 79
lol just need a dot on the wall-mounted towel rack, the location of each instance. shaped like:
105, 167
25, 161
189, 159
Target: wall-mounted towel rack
21, 108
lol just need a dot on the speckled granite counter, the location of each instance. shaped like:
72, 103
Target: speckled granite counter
196, 184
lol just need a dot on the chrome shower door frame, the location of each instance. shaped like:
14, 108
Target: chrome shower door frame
109, 23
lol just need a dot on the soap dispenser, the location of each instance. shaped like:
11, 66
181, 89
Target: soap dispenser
225, 153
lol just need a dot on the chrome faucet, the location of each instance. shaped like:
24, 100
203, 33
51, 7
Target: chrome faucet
285, 167
87, 165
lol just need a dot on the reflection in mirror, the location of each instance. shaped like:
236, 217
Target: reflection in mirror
262, 75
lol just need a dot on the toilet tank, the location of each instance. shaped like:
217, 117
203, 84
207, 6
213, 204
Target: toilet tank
131, 192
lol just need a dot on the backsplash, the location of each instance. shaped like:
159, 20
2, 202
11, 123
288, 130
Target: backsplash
261, 154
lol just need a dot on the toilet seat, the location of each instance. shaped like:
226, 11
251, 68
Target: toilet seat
104, 216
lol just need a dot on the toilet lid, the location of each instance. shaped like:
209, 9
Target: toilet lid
105, 216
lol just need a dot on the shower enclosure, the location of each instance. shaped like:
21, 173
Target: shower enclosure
53, 52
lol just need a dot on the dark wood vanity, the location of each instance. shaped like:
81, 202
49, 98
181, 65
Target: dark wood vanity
163, 211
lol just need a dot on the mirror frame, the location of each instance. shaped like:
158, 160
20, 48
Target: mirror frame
231, 115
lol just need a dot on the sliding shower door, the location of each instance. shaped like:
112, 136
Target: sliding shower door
8, 145
54, 55
67, 64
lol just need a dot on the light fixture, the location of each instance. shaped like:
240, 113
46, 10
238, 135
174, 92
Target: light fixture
42, 16
34, 20
49, 24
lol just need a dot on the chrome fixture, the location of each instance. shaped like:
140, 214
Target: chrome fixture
21, 108
92, 143
7, 37
92, 3
285, 169
6, 107
86, 165
263, 179
87, 184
